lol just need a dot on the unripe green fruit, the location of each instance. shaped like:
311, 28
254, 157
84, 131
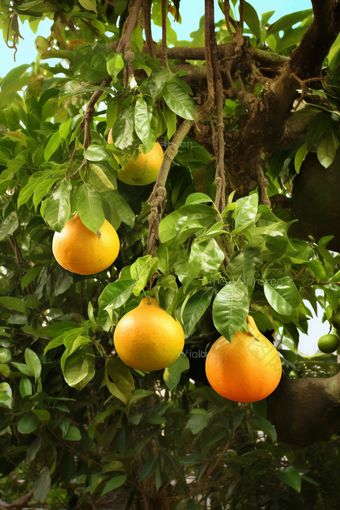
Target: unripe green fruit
328, 343
336, 320
41, 44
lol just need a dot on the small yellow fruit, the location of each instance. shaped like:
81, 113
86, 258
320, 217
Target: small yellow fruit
147, 338
82, 251
146, 168
41, 44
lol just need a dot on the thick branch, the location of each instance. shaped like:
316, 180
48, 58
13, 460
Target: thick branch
130, 26
305, 410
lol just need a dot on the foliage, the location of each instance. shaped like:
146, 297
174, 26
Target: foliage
69, 407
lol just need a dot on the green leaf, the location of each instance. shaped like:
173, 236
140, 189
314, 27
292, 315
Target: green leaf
230, 309
245, 212
171, 121
289, 20
5, 395
89, 207
9, 225
149, 468
42, 485
198, 198
291, 477
252, 20
28, 423
52, 145
185, 221
300, 157
198, 421
124, 211
115, 294
123, 129
138, 395
114, 106
33, 449
327, 149
25, 387
114, 483
97, 153
192, 458
261, 423
64, 129
73, 434
30, 276
114, 65
179, 101
13, 304
282, 294
141, 271
172, 374
4, 370
33, 363
119, 380
42, 414
58, 207
194, 309
22, 368
78, 369
238, 417
102, 179
5, 355
142, 120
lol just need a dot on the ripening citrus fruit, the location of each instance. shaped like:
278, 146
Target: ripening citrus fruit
247, 370
146, 168
82, 251
147, 338
336, 320
328, 343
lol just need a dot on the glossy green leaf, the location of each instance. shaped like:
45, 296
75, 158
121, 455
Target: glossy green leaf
185, 221
5, 355
291, 477
171, 122
230, 309
28, 423
197, 422
5, 395
245, 212
30, 276
115, 294
4, 370
77, 368
9, 225
33, 449
114, 483
327, 149
142, 120
194, 309
282, 294
13, 304
261, 423
141, 271
252, 20
42, 414
25, 387
58, 207
119, 380
22, 368
73, 434
123, 129
300, 156
124, 211
115, 64
97, 153
33, 363
89, 207
114, 106
52, 145
172, 374
179, 101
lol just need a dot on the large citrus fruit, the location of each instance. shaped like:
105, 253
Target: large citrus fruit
82, 251
146, 168
147, 338
328, 343
246, 370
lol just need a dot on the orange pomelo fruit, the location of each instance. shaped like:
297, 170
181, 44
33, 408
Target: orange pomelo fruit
82, 251
148, 338
328, 343
246, 370
146, 168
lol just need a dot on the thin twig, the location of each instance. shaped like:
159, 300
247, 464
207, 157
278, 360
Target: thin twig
241, 17
218, 460
164, 46
262, 182
228, 19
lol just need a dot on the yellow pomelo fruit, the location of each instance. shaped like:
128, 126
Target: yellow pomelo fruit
146, 168
147, 338
247, 370
82, 251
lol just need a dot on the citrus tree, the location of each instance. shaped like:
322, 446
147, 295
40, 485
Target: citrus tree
233, 221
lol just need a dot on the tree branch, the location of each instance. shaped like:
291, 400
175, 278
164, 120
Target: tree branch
164, 46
